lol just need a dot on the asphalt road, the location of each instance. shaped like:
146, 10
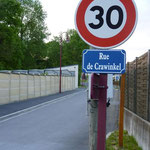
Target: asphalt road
59, 124
55, 122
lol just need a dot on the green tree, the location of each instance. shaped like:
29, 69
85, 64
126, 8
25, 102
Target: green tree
22, 34
10, 53
71, 51
33, 31
53, 54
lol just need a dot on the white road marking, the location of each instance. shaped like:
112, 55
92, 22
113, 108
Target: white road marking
33, 108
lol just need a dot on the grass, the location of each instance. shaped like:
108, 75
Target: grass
129, 142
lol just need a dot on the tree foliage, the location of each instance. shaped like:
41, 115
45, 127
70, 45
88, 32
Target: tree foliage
71, 50
33, 31
10, 44
22, 35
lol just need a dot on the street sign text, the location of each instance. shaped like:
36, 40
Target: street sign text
104, 61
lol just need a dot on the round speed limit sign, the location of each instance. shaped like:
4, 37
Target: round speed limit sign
105, 23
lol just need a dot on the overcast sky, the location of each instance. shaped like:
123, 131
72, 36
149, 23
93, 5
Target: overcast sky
60, 18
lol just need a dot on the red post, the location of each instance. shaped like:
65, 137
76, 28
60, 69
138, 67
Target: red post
67, 40
101, 132
99, 92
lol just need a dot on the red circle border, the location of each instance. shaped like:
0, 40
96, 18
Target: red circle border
114, 41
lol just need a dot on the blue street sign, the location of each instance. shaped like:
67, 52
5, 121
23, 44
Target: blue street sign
104, 61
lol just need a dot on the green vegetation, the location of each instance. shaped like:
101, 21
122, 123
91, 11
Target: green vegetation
129, 142
23, 33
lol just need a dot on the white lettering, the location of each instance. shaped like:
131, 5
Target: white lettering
96, 66
103, 57
108, 66
89, 66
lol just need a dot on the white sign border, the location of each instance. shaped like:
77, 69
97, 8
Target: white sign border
120, 50
136, 20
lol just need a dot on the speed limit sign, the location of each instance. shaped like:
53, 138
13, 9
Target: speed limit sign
105, 23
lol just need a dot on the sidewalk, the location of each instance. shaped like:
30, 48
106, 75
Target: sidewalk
113, 112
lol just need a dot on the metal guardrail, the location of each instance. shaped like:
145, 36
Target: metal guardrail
65, 72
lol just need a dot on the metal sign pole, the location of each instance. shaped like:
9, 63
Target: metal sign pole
101, 133
99, 93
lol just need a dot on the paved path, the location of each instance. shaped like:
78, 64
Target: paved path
60, 124
55, 122
113, 112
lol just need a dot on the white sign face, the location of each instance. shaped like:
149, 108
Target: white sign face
105, 19
105, 24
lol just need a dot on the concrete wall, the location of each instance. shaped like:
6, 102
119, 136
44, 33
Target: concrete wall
137, 127
18, 87
70, 68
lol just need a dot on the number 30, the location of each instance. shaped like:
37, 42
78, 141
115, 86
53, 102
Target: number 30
108, 17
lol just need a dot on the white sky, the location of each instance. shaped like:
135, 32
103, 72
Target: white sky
60, 18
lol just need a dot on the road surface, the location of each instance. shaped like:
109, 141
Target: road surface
60, 124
